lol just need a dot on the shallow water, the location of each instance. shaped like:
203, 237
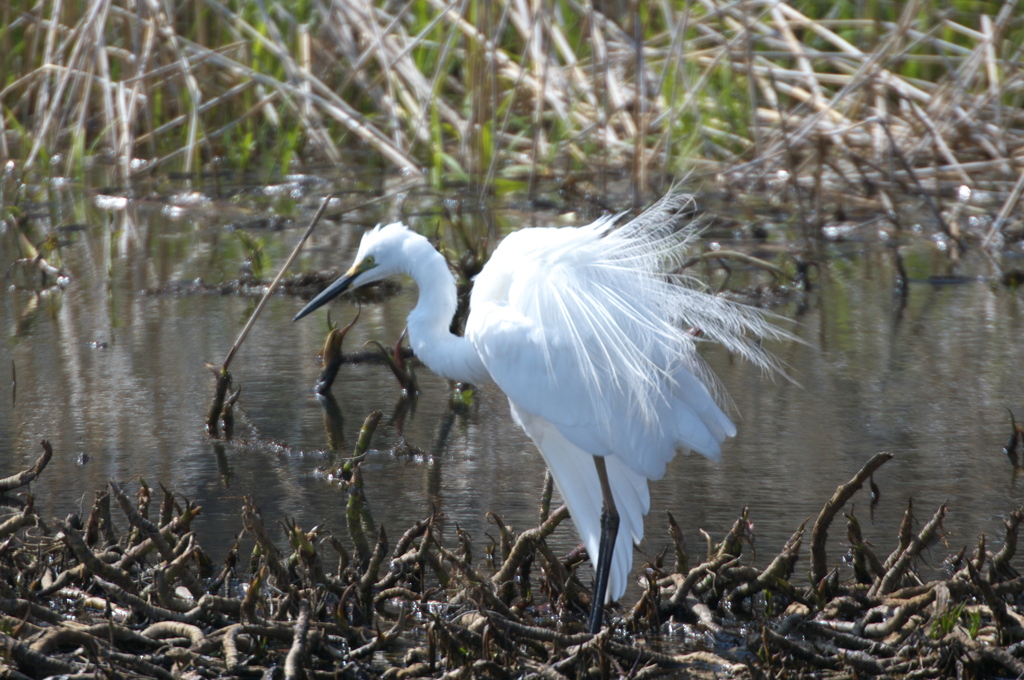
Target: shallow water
114, 377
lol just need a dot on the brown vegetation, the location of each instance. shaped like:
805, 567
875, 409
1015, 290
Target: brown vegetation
82, 596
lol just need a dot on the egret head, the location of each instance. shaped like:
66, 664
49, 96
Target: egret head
379, 256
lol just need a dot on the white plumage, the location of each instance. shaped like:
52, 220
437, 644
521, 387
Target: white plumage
588, 332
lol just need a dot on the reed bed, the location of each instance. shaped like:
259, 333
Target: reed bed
912, 95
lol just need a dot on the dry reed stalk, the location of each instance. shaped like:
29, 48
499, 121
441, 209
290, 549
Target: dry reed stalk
361, 16
1009, 205
125, 79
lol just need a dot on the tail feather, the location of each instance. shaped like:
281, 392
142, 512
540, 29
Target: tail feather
575, 475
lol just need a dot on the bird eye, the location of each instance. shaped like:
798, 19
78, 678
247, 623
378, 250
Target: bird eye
369, 260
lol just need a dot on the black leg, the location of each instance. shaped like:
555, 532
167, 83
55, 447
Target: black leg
609, 531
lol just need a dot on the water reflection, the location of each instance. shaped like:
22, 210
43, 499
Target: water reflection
107, 370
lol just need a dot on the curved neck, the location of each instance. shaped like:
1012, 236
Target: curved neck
448, 355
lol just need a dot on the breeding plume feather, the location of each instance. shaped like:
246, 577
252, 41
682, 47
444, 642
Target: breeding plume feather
588, 332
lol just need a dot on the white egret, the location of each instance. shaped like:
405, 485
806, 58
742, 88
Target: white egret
588, 331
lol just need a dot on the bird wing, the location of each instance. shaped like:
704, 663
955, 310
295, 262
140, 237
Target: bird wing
593, 345
600, 414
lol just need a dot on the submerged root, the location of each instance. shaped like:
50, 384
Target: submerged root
143, 604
